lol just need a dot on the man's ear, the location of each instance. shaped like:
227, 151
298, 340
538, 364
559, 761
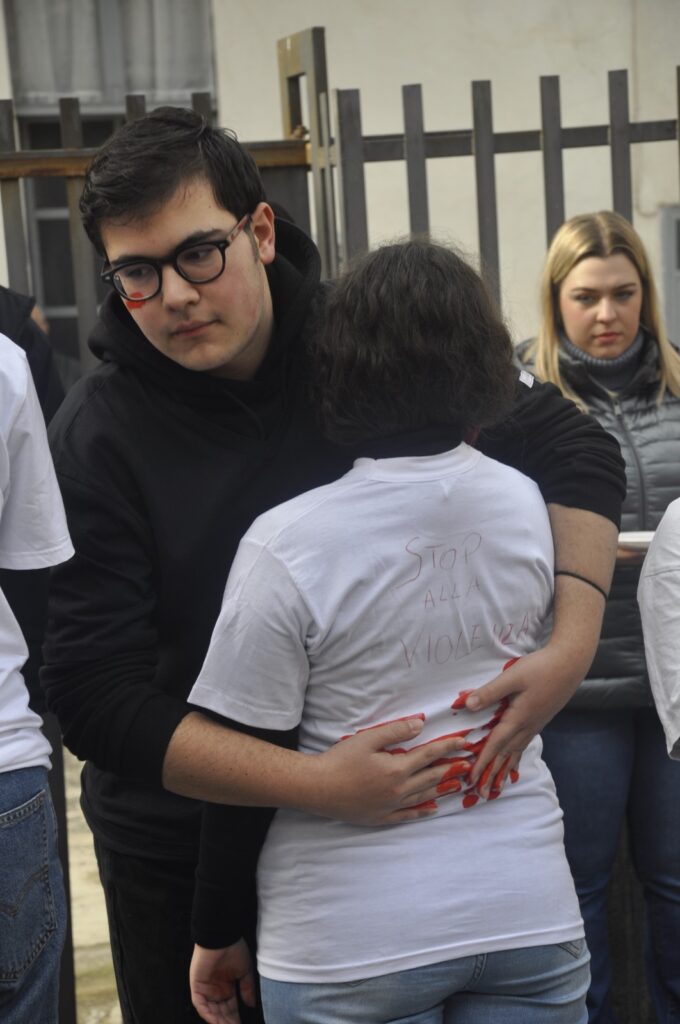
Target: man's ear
262, 227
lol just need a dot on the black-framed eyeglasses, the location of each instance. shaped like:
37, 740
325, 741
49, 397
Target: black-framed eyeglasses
199, 262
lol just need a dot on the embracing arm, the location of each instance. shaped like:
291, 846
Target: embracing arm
579, 469
224, 908
101, 662
574, 461
541, 683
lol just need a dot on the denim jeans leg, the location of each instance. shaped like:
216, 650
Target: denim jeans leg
32, 901
654, 825
537, 985
591, 757
534, 985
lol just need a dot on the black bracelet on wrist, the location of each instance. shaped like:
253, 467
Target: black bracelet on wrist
583, 579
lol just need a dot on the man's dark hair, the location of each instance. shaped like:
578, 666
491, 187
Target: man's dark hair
141, 167
410, 338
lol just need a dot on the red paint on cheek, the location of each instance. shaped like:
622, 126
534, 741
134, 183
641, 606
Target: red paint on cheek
130, 304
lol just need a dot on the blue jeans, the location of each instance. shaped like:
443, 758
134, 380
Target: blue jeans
611, 767
32, 903
536, 985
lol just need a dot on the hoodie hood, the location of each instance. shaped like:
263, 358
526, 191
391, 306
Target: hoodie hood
293, 280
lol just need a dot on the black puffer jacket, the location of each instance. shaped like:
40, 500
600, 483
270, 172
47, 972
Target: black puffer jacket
649, 436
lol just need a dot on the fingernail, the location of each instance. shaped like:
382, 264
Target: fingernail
461, 701
473, 703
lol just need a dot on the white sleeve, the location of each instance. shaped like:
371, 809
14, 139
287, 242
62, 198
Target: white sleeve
256, 669
659, 600
33, 530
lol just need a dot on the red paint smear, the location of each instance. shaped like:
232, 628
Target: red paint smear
477, 747
134, 305
484, 778
459, 767
508, 664
470, 799
459, 702
426, 805
514, 775
450, 786
498, 781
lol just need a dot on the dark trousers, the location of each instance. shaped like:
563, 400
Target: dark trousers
148, 903
611, 769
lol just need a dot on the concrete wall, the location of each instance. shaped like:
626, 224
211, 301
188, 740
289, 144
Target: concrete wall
380, 45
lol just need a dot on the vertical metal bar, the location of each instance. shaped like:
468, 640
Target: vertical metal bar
135, 106
305, 54
329, 191
677, 123
551, 142
81, 250
414, 154
201, 103
352, 187
485, 174
12, 216
619, 140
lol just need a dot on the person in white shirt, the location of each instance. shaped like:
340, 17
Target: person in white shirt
33, 535
419, 575
659, 600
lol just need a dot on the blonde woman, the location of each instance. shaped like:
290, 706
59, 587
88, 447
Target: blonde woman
602, 342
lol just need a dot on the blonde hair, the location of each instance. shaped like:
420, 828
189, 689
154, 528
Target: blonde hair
600, 235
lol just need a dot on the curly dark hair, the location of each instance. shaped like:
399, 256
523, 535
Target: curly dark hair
144, 163
409, 338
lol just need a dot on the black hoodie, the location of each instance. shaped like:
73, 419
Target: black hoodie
162, 470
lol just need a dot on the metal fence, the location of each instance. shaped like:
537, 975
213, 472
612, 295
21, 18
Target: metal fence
333, 152
339, 151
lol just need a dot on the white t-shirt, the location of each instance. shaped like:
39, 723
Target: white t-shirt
659, 600
33, 535
384, 594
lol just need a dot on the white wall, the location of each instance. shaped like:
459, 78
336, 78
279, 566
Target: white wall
380, 45
5, 93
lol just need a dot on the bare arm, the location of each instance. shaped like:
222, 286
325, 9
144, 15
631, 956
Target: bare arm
356, 780
540, 684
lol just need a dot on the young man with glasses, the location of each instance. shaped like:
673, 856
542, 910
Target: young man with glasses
197, 421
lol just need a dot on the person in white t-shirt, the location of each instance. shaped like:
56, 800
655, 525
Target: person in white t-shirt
33, 535
659, 600
419, 575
